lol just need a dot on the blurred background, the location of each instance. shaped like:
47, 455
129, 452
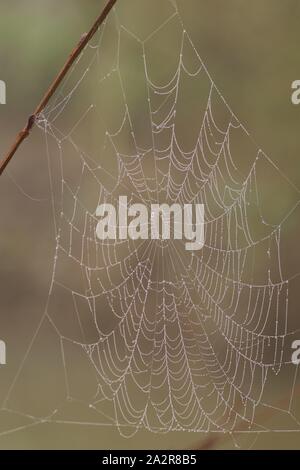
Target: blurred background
251, 52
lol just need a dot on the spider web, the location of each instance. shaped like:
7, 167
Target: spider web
169, 339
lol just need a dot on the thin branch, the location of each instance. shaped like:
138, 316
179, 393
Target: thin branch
85, 39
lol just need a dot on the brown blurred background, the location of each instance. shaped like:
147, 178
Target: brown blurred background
251, 51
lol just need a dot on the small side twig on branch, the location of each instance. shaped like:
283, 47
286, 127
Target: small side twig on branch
21, 136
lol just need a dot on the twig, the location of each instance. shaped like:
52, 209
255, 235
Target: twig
21, 136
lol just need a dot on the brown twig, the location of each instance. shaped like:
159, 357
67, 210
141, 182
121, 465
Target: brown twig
21, 136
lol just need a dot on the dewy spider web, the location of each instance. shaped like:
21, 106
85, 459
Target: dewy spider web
173, 340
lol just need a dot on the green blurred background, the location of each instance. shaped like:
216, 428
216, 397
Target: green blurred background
251, 51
